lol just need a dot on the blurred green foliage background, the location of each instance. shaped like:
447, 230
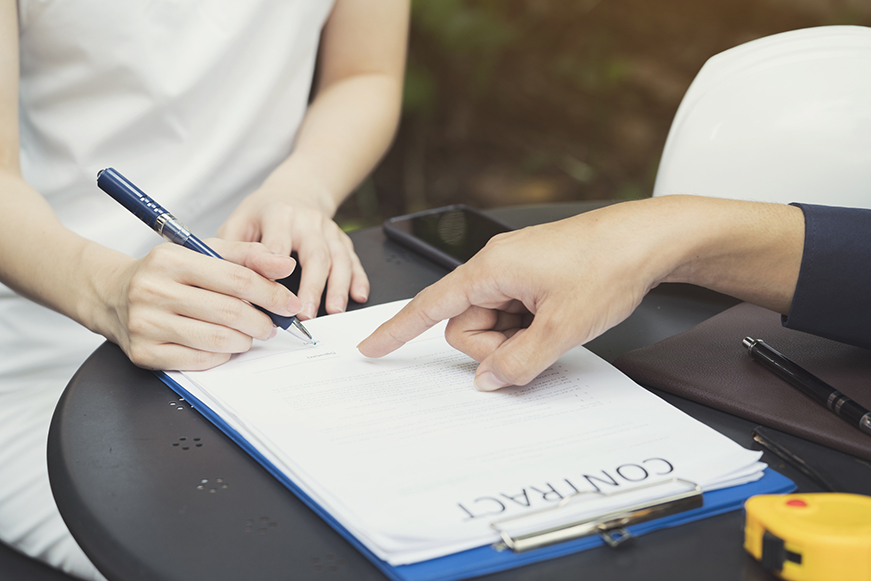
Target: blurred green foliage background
534, 101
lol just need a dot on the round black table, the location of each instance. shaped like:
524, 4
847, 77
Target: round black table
151, 490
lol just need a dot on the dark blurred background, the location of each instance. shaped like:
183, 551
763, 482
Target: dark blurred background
531, 101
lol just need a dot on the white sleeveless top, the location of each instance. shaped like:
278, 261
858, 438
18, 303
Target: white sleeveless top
196, 101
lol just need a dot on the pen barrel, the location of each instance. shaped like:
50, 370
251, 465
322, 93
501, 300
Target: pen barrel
809, 384
279, 321
191, 242
851, 411
128, 195
171, 229
812, 386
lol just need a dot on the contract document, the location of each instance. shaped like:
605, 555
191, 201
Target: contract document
416, 463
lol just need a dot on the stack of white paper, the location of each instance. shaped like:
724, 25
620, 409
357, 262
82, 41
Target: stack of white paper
416, 463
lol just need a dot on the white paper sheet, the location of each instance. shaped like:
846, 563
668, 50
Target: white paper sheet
416, 462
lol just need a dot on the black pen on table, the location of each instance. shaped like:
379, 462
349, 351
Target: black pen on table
809, 384
762, 437
158, 219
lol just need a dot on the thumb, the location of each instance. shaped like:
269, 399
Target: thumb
521, 358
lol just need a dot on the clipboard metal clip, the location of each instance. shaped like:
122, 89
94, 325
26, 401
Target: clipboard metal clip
610, 525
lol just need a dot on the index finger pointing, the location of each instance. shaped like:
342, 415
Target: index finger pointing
443, 300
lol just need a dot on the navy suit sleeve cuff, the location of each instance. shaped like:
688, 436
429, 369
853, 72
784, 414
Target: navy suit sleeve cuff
833, 295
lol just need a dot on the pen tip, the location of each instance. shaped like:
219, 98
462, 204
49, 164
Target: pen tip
304, 331
749, 342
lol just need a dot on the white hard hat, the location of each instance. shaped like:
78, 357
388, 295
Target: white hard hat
786, 118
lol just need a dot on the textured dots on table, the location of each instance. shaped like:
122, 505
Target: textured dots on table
260, 526
185, 443
212, 485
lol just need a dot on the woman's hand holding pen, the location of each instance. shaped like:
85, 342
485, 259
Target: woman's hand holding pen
177, 309
298, 218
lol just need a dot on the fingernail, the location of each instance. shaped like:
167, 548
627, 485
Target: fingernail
294, 305
310, 310
273, 333
488, 382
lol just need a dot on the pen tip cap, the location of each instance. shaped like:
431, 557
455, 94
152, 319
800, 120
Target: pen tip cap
299, 325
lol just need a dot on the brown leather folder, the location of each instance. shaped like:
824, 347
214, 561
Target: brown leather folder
709, 364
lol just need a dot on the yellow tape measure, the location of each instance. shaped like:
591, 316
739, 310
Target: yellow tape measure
809, 537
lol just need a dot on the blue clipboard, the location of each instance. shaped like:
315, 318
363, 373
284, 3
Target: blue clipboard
486, 559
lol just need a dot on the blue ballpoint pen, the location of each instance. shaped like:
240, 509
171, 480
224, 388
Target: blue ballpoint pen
165, 224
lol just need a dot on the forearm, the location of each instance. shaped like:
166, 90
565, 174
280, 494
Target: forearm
47, 263
39, 257
354, 115
748, 250
347, 129
579, 277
